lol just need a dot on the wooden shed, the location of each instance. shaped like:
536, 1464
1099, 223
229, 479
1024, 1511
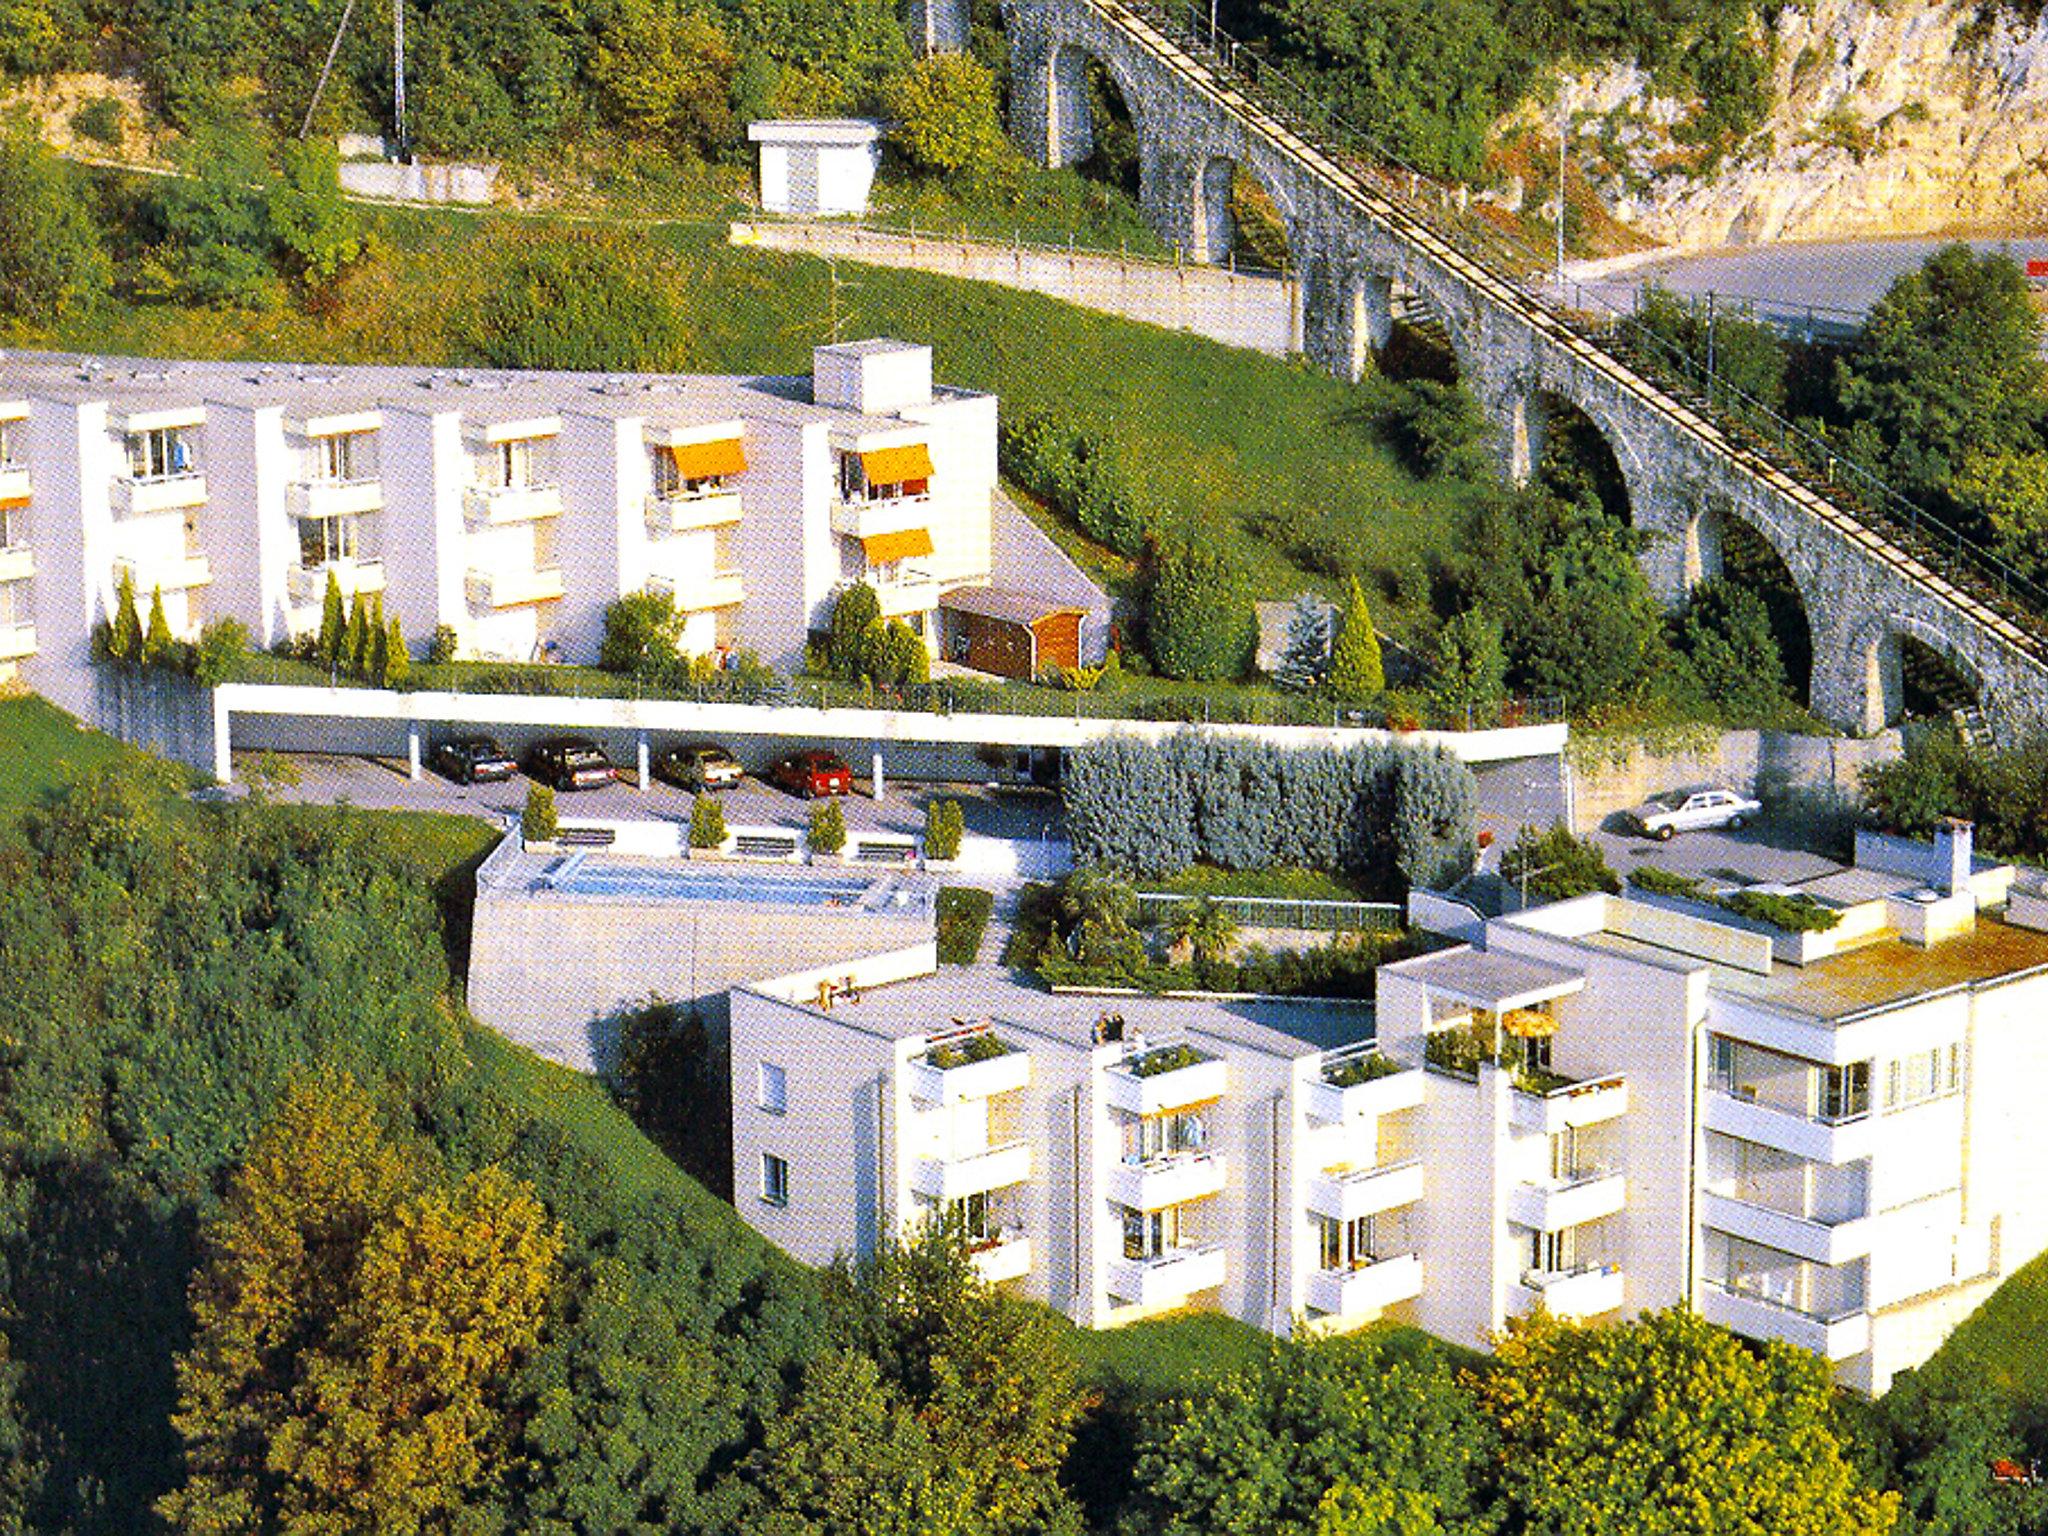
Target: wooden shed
1010, 634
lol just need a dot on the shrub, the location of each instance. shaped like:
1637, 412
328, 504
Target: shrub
945, 112
962, 917
1356, 668
827, 832
1436, 820
1558, 865
538, 822
855, 616
103, 120
1204, 628
944, 825
707, 822
896, 655
1794, 914
1663, 882
52, 261
587, 302
319, 231
444, 647
223, 646
641, 633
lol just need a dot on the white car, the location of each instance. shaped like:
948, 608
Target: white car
1693, 810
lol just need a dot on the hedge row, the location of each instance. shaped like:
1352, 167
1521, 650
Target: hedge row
1386, 813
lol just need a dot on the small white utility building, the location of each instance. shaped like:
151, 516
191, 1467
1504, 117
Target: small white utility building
817, 165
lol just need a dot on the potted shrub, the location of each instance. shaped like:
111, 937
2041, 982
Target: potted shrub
707, 826
827, 833
538, 826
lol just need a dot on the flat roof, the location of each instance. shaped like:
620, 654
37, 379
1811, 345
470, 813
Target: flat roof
1491, 979
595, 876
484, 394
1006, 604
972, 994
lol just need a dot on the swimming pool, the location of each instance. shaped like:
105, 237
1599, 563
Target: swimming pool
804, 889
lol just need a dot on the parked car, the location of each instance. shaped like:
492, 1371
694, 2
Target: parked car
811, 773
570, 762
475, 760
1692, 810
703, 765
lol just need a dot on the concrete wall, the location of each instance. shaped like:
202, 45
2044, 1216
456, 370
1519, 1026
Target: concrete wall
1260, 311
419, 183
1766, 764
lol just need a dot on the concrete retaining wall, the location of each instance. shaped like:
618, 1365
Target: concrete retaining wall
1765, 764
418, 183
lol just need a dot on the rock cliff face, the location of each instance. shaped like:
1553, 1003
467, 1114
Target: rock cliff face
1893, 117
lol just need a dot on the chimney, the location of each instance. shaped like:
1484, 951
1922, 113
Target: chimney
1953, 850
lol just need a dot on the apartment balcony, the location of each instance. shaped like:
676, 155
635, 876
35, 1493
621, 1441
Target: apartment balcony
1165, 1181
984, 1079
17, 641
1553, 1206
17, 563
159, 493
975, 1173
1008, 1257
1585, 1291
914, 590
509, 589
335, 498
14, 482
1170, 1279
308, 583
1345, 1194
495, 506
1569, 1105
696, 591
1833, 1142
1824, 1242
1360, 1084
1367, 1289
175, 575
1841, 1336
1168, 1077
687, 514
873, 519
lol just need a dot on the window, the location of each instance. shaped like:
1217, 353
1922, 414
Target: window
671, 484
516, 465
1721, 1068
1554, 1253
1923, 1075
975, 1220
773, 1089
1347, 1244
774, 1180
342, 458
1150, 1234
1164, 1136
10, 443
323, 540
1845, 1091
161, 453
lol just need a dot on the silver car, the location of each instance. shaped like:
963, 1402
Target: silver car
1693, 810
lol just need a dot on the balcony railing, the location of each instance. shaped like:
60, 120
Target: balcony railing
938, 1079
496, 505
1173, 1076
174, 575
1172, 1179
695, 591
17, 562
134, 497
1838, 1335
1567, 1105
913, 589
308, 583
335, 498
1358, 1083
974, 1173
508, 589
683, 512
1346, 1194
17, 641
1004, 1257
1366, 1288
872, 519
1584, 1290
1821, 1240
1555, 1205
1169, 1278
1823, 1141
14, 481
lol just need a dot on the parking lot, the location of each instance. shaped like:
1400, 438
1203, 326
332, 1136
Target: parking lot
381, 784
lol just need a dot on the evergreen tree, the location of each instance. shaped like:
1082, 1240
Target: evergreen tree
854, 616
159, 646
124, 636
1470, 676
333, 624
1725, 637
379, 647
828, 827
538, 823
355, 650
1356, 668
397, 663
1305, 660
707, 822
1203, 628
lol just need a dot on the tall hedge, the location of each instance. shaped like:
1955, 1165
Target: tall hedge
1384, 812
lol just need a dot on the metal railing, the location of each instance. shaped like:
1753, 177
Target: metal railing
1784, 455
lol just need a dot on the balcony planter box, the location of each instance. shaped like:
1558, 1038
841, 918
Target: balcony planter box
1009, 1259
1196, 1083
1362, 1101
983, 1079
1568, 1107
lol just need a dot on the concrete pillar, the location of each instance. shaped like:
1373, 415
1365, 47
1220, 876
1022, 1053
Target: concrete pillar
1522, 426
938, 26
1347, 316
1212, 228
642, 753
1049, 114
412, 753
1858, 683
1703, 547
881, 785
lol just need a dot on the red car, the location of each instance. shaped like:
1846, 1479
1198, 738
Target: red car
812, 773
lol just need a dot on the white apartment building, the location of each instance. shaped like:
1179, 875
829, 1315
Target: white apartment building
511, 508
1602, 1107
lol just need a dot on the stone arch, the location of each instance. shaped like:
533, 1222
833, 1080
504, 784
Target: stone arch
1212, 225
1051, 117
1871, 668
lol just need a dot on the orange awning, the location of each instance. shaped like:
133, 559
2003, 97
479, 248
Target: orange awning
888, 548
893, 466
12, 503
707, 461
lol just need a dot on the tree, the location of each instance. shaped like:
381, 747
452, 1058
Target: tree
1202, 931
944, 108
1101, 909
944, 827
397, 663
217, 246
1938, 1434
1747, 355
847, 1459
1314, 1437
1934, 779
827, 832
159, 645
665, 75
223, 646
124, 635
1304, 660
1948, 365
1693, 1431
355, 648
538, 822
318, 230
333, 624
1558, 866
52, 261
1725, 637
896, 654
707, 822
1469, 676
1203, 627
855, 614
1436, 820
2008, 494
1356, 670
643, 633
379, 648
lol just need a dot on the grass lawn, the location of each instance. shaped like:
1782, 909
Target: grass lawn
41, 747
1227, 440
2004, 1343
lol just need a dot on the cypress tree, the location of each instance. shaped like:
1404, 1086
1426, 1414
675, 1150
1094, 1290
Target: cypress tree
379, 650
158, 644
1356, 669
333, 624
355, 656
397, 664
1306, 656
124, 640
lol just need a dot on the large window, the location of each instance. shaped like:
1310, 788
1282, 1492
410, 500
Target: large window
772, 1089
1348, 1244
1165, 1136
343, 458
1845, 1091
1151, 1234
1554, 1253
519, 464
324, 540
1923, 1075
975, 1219
774, 1179
161, 453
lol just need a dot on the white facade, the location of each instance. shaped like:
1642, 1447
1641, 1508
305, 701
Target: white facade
817, 166
511, 509
1608, 1106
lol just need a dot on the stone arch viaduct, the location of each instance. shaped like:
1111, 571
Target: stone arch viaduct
1356, 246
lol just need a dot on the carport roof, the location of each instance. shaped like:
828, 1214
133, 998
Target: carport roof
1496, 982
1005, 603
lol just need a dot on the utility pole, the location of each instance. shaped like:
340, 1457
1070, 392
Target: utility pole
398, 73
1563, 127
